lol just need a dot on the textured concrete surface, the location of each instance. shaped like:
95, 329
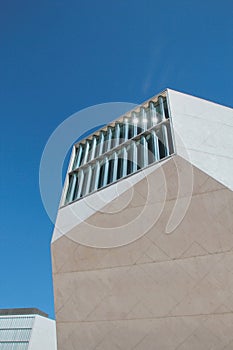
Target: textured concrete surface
162, 291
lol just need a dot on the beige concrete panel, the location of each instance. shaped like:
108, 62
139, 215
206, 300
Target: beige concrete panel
62, 251
191, 286
170, 333
111, 220
163, 184
80, 336
211, 290
164, 181
206, 228
117, 229
70, 256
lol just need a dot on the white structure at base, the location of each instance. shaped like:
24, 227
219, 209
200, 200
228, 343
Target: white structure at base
26, 329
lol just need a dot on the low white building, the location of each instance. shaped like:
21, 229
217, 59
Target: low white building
26, 329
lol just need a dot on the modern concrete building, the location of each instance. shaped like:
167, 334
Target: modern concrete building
142, 246
26, 329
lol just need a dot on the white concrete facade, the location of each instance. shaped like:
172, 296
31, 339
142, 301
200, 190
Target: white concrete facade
204, 135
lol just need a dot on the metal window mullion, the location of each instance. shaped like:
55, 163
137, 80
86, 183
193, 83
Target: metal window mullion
116, 135
126, 130
134, 157
124, 162
134, 123
165, 139
101, 143
105, 176
115, 166
109, 139
170, 139
144, 151
143, 119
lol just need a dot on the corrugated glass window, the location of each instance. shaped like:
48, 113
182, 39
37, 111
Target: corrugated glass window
135, 141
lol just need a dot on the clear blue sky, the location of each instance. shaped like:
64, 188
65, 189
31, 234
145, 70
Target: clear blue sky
58, 57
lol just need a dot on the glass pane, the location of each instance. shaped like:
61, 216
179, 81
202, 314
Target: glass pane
161, 109
153, 147
132, 158
86, 151
116, 135
134, 121
78, 156
103, 177
92, 149
86, 182
100, 143
71, 187
78, 186
122, 163
95, 177
149, 147
142, 148
126, 129
142, 120
163, 141
153, 114
108, 142
115, 167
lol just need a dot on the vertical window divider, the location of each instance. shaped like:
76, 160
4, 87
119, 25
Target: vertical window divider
115, 166
106, 167
134, 157
124, 162
117, 134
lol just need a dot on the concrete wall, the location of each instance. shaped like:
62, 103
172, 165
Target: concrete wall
161, 291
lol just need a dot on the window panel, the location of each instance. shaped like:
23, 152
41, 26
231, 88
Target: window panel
125, 151
116, 134
86, 151
92, 149
78, 156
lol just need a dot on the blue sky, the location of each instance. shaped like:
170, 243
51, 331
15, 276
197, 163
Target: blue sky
58, 57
